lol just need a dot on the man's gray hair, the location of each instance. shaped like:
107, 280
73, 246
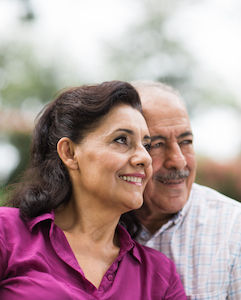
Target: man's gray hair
138, 84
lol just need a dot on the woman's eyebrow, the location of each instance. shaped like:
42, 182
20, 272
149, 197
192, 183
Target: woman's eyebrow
131, 132
125, 130
147, 137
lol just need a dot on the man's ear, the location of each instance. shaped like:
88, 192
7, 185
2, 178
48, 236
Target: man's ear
66, 151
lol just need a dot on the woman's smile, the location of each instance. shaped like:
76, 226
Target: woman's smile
136, 179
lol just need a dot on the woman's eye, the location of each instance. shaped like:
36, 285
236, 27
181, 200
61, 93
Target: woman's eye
147, 147
121, 140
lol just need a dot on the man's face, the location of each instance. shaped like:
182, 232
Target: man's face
172, 152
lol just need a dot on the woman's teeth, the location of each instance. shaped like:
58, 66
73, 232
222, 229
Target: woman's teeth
132, 179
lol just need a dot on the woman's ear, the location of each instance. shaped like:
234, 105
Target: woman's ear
66, 151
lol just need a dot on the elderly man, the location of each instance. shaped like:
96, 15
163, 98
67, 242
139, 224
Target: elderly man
197, 227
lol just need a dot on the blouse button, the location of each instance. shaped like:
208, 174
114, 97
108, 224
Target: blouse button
110, 277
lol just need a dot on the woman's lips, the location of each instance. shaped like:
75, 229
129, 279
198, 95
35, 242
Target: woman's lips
136, 178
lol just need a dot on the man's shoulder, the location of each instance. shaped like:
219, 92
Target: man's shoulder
214, 211
206, 196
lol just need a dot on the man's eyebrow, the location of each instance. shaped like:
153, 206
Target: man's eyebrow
131, 132
161, 137
184, 134
158, 137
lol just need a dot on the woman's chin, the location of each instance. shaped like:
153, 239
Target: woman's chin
135, 204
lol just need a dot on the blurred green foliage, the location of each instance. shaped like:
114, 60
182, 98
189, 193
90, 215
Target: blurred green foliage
25, 85
22, 142
24, 78
2, 195
148, 50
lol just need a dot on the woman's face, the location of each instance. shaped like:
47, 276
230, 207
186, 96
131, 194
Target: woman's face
114, 163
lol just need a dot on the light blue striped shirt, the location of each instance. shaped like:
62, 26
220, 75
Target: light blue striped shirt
204, 241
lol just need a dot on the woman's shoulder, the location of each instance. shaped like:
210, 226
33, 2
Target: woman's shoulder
10, 219
9, 213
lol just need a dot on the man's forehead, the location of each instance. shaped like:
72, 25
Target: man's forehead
166, 112
157, 96
175, 129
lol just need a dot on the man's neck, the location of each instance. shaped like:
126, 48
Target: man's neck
153, 222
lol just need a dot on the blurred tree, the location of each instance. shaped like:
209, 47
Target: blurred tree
25, 85
149, 49
24, 79
27, 14
22, 142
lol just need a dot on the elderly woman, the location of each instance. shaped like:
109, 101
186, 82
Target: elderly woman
62, 238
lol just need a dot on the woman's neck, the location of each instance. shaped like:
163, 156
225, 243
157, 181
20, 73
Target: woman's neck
98, 227
92, 238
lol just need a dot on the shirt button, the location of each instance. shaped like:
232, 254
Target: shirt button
110, 277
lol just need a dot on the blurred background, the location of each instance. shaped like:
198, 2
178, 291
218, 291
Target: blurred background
193, 45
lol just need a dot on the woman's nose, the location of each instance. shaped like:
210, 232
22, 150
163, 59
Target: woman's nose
141, 157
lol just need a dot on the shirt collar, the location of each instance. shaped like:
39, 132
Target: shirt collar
126, 242
31, 223
145, 235
182, 213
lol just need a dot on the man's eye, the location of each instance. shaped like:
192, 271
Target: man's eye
157, 145
121, 140
186, 142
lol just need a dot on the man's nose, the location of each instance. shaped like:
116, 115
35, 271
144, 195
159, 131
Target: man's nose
174, 158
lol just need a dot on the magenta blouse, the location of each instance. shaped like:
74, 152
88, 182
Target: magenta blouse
36, 262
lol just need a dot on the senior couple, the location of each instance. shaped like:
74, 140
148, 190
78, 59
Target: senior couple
66, 234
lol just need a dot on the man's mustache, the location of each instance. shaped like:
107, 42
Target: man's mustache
171, 175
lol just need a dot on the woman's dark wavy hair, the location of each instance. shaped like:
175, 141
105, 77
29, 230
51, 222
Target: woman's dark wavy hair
75, 112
